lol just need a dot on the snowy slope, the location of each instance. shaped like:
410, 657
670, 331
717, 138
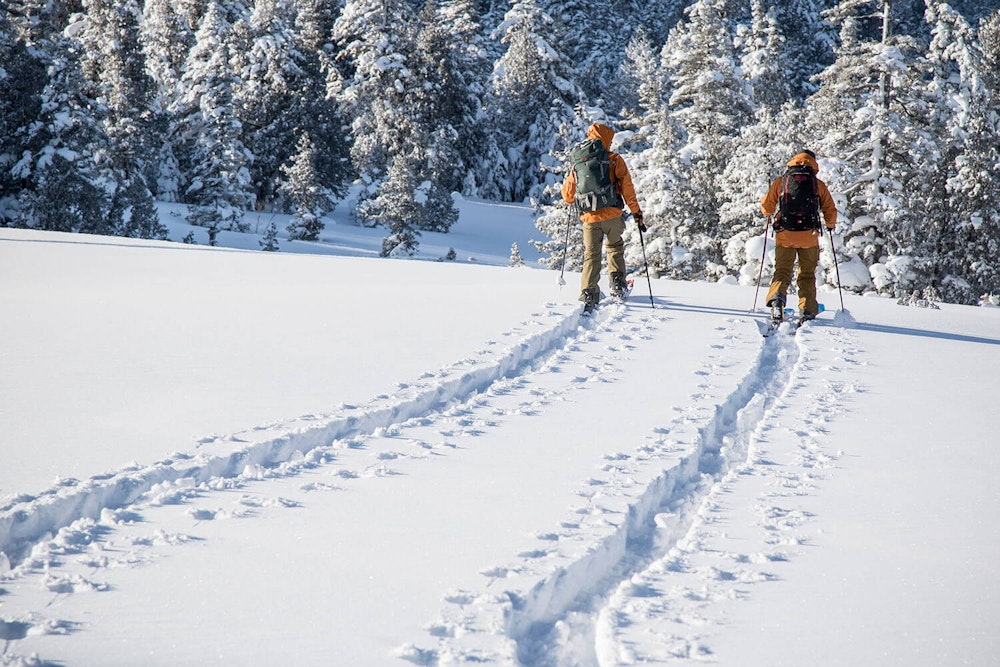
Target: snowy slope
226, 457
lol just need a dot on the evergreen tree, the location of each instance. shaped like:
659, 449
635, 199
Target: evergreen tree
270, 241
396, 206
764, 61
22, 78
808, 40
302, 186
449, 72
65, 171
113, 65
659, 18
531, 95
591, 41
641, 79
318, 113
207, 133
516, 261
709, 103
167, 36
268, 99
962, 262
373, 41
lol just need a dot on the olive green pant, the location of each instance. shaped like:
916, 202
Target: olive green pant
593, 234
784, 262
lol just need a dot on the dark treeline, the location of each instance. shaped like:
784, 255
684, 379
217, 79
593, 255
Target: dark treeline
281, 105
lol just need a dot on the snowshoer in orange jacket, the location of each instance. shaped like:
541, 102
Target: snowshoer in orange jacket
802, 244
604, 222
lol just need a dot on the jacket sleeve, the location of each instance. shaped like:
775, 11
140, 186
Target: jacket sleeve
625, 187
769, 202
569, 187
827, 205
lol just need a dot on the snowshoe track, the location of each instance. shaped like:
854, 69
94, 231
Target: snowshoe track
552, 611
560, 602
28, 520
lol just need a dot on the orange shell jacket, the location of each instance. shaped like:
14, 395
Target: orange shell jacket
620, 178
810, 237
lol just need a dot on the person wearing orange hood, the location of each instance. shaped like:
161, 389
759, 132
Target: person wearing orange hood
798, 239
604, 222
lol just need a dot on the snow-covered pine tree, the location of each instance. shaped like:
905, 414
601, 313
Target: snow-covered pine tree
396, 206
22, 78
659, 18
268, 100
764, 60
516, 261
206, 132
640, 79
64, 171
532, 94
807, 39
302, 186
709, 102
450, 70
593, 42
113, 64
270, 241
319, 114
963, 262
373, 42
867, 114
167, 36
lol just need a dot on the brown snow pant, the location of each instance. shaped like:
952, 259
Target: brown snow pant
593, 234
784, 262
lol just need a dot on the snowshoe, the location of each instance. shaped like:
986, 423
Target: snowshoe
804, 317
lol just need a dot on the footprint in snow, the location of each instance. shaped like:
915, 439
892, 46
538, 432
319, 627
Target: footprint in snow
13, 630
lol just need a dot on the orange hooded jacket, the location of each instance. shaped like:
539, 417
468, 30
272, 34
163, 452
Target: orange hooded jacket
769, 205
620, 178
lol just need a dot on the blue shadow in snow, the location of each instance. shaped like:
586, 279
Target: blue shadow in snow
924, 333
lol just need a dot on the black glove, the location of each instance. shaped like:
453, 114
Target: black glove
638, 221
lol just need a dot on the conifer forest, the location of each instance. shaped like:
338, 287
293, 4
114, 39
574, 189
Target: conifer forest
228, 106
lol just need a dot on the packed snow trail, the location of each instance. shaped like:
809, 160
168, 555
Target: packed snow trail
29, 519
658, 493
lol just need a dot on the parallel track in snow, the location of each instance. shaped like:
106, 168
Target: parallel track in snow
553, 618
28, 520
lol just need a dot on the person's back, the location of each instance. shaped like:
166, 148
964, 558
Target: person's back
603, 218
797, 233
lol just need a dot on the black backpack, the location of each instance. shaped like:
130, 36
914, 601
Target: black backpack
592, 165
799, 199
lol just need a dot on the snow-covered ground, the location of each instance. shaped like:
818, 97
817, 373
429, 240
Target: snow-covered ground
213, 456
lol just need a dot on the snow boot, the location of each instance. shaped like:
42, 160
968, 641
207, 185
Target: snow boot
777, 305
619, 286
590, 297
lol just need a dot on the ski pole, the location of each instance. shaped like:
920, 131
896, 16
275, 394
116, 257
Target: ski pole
763, 256
645, 263
569, 220
836, 265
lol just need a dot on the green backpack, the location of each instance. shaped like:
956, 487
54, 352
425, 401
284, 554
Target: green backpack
592, 165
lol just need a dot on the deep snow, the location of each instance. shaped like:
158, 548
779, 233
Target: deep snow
219, 457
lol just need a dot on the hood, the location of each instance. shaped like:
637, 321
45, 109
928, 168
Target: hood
602, 132
806, 159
